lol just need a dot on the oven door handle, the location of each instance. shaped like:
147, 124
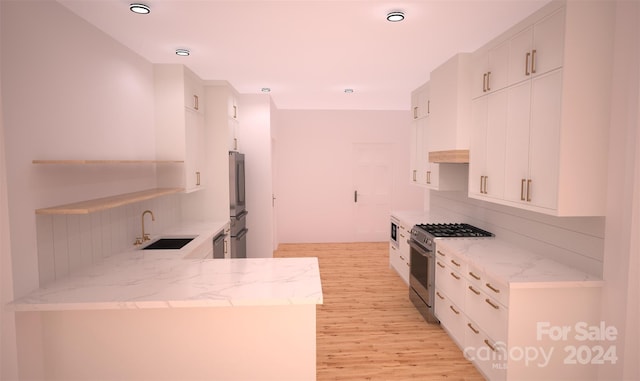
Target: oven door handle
419, 249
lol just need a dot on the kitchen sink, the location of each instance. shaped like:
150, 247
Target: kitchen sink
168, 244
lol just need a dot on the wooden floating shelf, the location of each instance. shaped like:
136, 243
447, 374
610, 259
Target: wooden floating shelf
75, 162
460, 156
99, 204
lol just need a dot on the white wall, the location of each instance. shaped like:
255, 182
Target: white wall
69, 92
8, 349
315, 180
254, 136
621, 300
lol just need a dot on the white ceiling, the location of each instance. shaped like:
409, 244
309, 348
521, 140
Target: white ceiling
308, 51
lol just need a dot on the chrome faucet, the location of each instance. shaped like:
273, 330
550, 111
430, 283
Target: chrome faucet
145, 236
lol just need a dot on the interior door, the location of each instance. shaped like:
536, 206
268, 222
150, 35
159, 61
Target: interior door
372, 174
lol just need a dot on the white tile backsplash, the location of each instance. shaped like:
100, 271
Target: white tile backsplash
68, 243
574, 241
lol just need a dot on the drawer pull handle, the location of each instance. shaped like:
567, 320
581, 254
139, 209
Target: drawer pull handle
455, 263
493, 288
489, 302
474, 290
401, 235
441, 265
473, 329
455, 276
489, 345
401, 257
440, 296
440, 253
474, 276
454, 310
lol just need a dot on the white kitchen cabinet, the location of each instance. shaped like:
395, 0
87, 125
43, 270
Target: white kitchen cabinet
557, 118
419, 131
449, 121
497, 318
421, 102
399, 255
487, 146
538, 49
179, 118
450, 107
225, 111
532, 142
451, 317
489, 69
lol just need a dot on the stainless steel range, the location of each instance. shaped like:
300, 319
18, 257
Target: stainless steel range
422, 264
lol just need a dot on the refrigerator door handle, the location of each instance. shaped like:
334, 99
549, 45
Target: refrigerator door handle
241, 234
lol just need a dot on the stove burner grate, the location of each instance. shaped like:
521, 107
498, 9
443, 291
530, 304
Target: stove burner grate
453, 230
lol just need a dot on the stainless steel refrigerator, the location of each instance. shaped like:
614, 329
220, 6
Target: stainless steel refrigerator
238, 211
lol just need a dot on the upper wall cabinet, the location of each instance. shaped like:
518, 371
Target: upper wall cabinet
420, 102
537, 49
541, 142
179, 118
419, 128
450, 104
224, 111
441, 111
489, 69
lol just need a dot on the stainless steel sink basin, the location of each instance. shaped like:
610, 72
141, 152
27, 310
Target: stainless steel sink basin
168, 244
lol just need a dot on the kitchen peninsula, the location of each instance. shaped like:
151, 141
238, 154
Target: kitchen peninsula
164, 315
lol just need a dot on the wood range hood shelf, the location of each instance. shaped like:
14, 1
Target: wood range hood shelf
460, 156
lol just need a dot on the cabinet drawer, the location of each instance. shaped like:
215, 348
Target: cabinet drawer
451, 259
475, 275
491, 316
488, 355
496, 289
450, 282
451, 318
399, 262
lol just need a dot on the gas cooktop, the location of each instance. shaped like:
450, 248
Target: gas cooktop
452, 230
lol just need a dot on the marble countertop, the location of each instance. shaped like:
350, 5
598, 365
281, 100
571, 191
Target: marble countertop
412, 217
508, 263
517, 266
171, 279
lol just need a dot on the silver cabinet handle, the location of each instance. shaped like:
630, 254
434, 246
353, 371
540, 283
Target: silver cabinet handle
526, 64
488, 81
355, 196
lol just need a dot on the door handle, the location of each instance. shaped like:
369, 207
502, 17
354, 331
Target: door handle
355, 196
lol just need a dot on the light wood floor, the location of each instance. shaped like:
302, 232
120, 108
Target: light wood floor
367, 329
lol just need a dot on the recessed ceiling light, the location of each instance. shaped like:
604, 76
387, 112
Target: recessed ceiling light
348, 91
395, 16
139, 8
266, 90
183, 52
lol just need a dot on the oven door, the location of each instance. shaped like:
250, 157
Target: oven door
422, 280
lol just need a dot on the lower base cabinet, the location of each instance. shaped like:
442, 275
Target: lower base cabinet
522, 330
